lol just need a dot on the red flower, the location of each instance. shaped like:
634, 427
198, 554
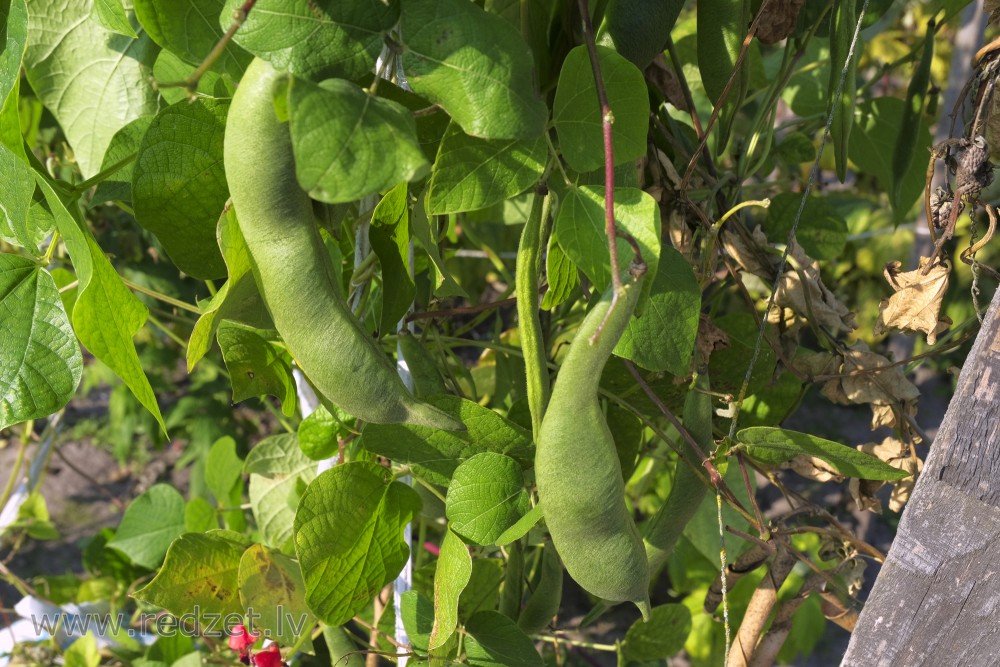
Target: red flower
242, 639
269, 657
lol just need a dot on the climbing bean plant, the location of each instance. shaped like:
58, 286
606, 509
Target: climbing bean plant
477, 322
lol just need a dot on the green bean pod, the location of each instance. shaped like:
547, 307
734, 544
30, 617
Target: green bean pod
909, 124
545, 601
843, 22
664, 527
529, 266
579, 478
722, 27
293, 269
343, 652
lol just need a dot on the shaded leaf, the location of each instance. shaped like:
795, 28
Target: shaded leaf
661, 637
179, 184
474, 65
662, 336
256, 366
124, 144
191, 29
577, 116
40, 359
389, 235
435, 454
579, 227
472, 173
774, 446
348, 143
495, 641
350, 522
822, 232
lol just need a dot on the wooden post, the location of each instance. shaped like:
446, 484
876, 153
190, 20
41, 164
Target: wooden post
937, 599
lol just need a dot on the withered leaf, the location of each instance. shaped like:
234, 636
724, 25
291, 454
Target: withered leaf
813, 468
710, 338
916, 305
778, 20
665, 79
883, 387
803, 292
896, 454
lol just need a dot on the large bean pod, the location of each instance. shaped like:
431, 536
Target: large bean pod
909, 123
294, 271
579, 478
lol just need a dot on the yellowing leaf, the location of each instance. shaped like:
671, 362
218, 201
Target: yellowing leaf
801, 289
916, 305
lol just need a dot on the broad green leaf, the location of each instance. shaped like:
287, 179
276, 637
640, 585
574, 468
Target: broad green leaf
486, 496
199, 516
111, 15
871, 146
474, 65
150, 524
14, 19
271, 584
580, 229
728, 366
179, 184
279, 472
348, 537
92, 80
772, 404
199, 575
223, 468
316, 40
256, 366
83, 652
472, 173
124, 145
662, 337
238, 300
389, 235
576, 112
495, 641
191, 29
454, 569
348, 143
661, 637
822, 232
774, 446
561, 273
435, 454
418, 618
170, 648
40, 359
320, 432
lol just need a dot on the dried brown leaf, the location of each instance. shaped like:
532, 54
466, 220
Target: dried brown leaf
896, 454
663, 77
710, 338
778, 20
811, 363
680, 232
750, 253
916, 305
883, 387
803, 292
812, 468
992, 9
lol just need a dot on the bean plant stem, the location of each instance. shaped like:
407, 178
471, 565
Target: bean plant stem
104, 174
161, 297
22, 448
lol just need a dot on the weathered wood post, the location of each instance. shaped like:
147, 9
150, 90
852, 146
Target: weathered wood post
937, 598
